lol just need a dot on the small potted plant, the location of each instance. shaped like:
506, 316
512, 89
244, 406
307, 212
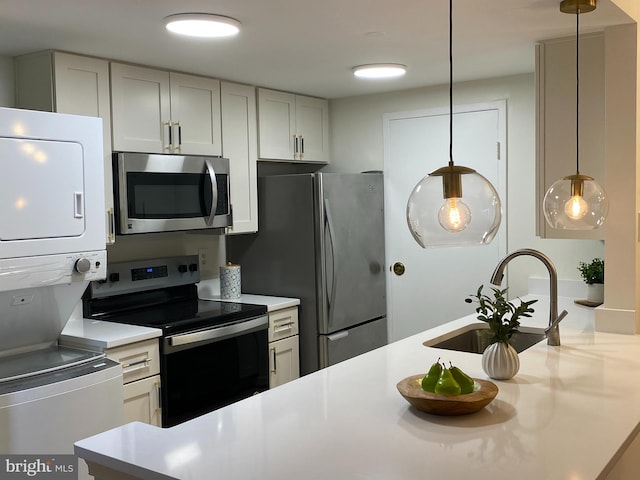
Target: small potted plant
593, 275
500, 360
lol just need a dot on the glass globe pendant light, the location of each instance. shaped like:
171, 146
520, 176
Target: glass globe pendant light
576, 202
453, 205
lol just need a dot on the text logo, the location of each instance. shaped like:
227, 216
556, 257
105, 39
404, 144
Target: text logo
50, 467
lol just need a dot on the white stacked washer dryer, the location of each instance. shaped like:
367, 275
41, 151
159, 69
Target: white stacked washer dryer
52, 243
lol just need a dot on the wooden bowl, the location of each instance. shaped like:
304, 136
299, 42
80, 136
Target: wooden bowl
411, 389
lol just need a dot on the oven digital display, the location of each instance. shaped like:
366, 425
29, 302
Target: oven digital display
146, 273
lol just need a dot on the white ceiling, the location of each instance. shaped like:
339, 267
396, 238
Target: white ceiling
302, 45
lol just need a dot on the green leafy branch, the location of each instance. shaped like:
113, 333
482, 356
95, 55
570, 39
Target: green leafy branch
501, 315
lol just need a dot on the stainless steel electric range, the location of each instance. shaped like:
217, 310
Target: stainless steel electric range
212, 353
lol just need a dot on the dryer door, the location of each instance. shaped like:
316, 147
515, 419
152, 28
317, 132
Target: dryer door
42, 189
51, 184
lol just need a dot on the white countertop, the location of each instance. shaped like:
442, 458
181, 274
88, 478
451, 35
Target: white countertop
96, 334
272, 303
210, 290
567, 413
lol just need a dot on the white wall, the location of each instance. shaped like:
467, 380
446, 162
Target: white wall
158, 245
357, 145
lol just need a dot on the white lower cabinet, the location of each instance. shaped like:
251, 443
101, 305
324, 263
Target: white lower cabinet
284, 352
142, 401
284, 364
141, 376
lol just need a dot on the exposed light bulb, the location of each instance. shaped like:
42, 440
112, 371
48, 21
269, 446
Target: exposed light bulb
454, 215
575, 208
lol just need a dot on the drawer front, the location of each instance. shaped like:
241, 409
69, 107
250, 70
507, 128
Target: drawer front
139, 360
283, 323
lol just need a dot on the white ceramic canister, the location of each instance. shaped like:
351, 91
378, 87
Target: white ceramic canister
230, 281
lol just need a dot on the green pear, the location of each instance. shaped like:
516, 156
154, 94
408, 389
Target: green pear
431, 378
465, 381
446, 384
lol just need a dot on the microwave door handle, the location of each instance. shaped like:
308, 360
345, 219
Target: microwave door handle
214, 191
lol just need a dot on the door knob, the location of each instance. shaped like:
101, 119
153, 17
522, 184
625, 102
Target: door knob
398, 268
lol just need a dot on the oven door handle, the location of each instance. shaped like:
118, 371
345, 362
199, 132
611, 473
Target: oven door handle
220, 333
214, 191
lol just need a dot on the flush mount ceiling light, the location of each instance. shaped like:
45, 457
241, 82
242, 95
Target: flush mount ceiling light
202, 25
471, 211
576, 202
380, 70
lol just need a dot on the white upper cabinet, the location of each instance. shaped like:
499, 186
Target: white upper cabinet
276, 125
195, 111
292, 127
556, 119
239, 145
74, 84
155, 111
312, 125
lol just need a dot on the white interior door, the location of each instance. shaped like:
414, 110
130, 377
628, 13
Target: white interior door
435, 282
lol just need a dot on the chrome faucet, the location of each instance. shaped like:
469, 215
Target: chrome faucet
552, 331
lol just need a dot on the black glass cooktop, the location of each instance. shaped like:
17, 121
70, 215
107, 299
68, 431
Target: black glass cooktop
173, 310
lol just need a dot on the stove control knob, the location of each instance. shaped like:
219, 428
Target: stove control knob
193, 267
182, 268
83, 265
114, 277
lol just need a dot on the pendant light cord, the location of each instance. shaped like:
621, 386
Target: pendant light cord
450, 83
578, 91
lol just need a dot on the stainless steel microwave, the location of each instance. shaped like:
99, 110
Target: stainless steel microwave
166, 193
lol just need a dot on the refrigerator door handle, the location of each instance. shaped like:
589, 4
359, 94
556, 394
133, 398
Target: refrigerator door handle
338, 335
329, 226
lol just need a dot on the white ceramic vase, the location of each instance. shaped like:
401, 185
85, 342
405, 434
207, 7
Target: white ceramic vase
500, 361
595, 292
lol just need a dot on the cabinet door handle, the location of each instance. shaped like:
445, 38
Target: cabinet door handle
159, 394
274, 369
179, 145
301, 147
284, 326
140, 364
170, 146
295, 147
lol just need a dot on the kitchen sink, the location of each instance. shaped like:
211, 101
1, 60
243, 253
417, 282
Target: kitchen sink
475, 338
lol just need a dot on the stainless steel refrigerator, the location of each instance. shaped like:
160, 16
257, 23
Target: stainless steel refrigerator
321, 239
